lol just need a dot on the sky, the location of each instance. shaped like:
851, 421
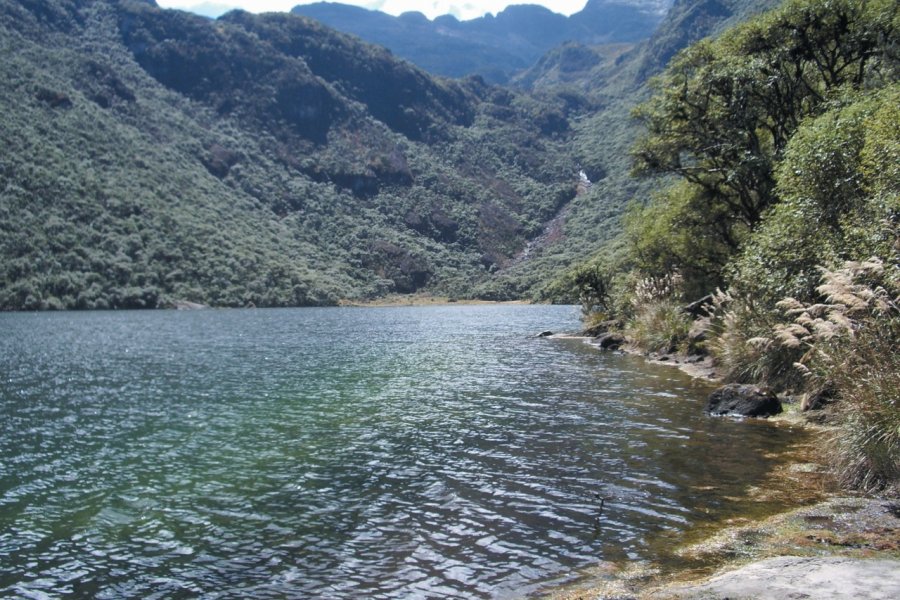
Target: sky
461, 9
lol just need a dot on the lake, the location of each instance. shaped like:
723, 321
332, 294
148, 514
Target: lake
415, 452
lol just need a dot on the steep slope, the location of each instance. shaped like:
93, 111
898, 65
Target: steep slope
616, 69
611, 80
155, 156
494, 47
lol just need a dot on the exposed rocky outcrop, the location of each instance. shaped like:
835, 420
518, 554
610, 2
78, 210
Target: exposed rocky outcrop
601, 328
742, 400
787, 577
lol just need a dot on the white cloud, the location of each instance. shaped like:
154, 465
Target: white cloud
462, 9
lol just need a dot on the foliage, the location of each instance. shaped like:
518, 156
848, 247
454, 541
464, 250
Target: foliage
671, 234
303, 166
737, 328
660, 326
838, 198
655, 317
593, 284
725, 109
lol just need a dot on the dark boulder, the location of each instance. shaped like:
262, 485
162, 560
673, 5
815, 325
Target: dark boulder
820, 398
739, 400
610, 341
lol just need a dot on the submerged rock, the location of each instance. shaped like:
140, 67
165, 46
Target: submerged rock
743, 401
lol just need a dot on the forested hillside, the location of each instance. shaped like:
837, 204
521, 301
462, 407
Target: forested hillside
154, 156
612, 80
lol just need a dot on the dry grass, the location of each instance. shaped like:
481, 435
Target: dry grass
741, 342
660, 326
850, 344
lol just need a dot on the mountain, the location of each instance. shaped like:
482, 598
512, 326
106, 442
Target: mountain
617, 69
154, 156
494, 47
612, 79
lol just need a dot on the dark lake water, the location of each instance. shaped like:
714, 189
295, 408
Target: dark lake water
344, 453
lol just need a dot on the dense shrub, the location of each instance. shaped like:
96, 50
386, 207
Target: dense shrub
725, 110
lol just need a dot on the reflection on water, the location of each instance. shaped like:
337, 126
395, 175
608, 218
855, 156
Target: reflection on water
343, 453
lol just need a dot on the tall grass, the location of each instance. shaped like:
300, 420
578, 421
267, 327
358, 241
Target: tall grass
853, 342
848, 342
658, 321
660, 326
866, 374
739, 331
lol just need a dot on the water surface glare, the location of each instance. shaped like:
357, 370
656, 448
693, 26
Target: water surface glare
422, 452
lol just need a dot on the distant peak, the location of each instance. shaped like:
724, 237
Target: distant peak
657, 7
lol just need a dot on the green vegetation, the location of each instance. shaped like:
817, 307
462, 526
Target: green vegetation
778, 144
154, 156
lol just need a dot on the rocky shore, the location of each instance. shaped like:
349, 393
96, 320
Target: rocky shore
840, 547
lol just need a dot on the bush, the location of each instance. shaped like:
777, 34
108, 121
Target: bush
853, 343
660, 326
866, 375
848, 343
738, 330
657, 320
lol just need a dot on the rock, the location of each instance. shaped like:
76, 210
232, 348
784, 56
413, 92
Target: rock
544, 334
743, 401
699, 332
792, 577
818, 399
610, 341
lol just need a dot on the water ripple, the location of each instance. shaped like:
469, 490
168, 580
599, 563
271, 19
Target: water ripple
385, 453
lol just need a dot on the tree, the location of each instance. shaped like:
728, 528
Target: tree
840, 199
724, 111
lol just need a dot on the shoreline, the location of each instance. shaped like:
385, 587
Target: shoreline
850, 538
424, 300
